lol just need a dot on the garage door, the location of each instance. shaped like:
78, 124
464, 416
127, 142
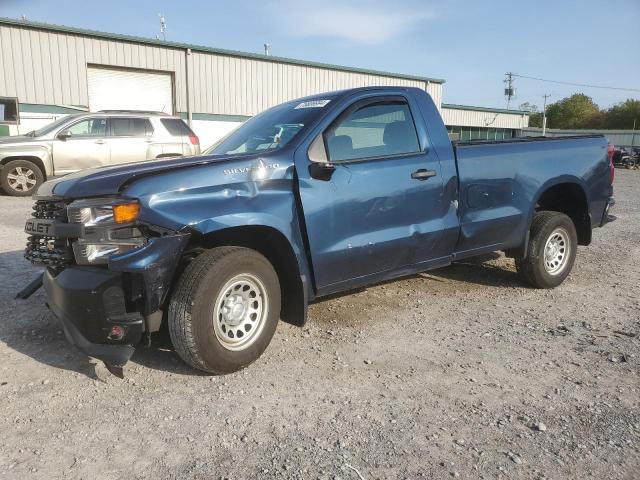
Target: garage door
112, 89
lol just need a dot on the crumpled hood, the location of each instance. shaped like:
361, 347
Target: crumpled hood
106, 181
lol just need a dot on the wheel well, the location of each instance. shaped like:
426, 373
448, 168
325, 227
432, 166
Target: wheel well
276, 248
570, 199
36, 160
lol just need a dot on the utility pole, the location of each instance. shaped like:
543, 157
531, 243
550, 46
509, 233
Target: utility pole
544, 115
509, 91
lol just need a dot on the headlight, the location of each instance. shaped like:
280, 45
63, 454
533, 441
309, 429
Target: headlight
109, 228
87, 253
103, 211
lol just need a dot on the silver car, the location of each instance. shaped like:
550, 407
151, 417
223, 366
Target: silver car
87, 140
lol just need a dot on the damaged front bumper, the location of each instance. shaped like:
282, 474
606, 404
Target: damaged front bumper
106, 311
89, 302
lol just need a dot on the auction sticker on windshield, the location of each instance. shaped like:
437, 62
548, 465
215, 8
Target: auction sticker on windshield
312, 104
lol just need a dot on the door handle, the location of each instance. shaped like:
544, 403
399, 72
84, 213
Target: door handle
99, 142
423, 174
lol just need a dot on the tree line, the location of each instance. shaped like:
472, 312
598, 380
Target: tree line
580, 111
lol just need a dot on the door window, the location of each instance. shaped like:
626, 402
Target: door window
130, 127
92, 127
380, 129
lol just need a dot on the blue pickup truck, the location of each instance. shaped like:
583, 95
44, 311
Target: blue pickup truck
312, 197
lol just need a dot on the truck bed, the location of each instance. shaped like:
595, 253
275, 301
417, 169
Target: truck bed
499, 182
522, 140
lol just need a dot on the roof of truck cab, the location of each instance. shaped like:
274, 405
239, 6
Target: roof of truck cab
349, 91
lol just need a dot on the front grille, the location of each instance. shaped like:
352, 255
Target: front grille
54, 253
50, 210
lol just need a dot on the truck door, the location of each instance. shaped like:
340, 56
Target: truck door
381, 208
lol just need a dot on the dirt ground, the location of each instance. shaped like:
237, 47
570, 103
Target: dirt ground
461, 372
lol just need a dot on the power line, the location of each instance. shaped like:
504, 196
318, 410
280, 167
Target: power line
577, 84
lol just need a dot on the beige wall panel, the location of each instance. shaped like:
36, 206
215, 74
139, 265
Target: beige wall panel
48, 67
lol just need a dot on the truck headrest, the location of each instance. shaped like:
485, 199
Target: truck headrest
341, 147
398, 136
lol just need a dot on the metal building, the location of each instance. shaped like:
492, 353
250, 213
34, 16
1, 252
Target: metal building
54, 70
472, 123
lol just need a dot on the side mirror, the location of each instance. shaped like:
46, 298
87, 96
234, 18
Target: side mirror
320, 167
322, 171
64, 134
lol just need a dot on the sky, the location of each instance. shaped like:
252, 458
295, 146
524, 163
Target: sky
469, 43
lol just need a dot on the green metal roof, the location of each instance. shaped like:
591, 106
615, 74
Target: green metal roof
200, 48
452, 106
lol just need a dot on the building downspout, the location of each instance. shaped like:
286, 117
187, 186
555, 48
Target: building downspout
187, 61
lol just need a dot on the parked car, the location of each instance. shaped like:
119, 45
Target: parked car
77, 142
313, 197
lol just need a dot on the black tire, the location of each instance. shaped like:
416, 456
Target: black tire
193, 302
29, 172
532, 267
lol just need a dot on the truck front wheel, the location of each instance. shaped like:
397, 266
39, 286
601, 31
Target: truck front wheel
225, 309
551, 252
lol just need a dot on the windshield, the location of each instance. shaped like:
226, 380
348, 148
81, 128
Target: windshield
50, 127
270, 130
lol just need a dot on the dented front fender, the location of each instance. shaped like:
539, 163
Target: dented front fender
156, 263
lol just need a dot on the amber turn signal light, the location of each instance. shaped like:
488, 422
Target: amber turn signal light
126, 212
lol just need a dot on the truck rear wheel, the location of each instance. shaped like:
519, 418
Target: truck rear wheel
21, 178
225, 309
551, 252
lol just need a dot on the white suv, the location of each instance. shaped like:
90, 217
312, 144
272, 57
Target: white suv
87, 140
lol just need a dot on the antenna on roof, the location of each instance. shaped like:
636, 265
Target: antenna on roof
267, 49
163, 26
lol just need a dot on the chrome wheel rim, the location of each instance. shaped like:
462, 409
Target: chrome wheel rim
240, 312
556, 251
22, 179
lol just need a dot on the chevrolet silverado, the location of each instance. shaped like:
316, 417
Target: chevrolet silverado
310, 198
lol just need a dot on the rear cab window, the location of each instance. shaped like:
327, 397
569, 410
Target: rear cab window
374, 129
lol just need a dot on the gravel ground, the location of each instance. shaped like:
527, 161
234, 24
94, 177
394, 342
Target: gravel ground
460, 372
